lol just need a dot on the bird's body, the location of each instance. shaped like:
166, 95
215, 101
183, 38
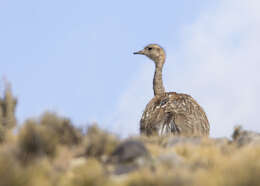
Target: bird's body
173, 113
170, 112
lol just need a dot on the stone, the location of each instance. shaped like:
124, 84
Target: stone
129, 156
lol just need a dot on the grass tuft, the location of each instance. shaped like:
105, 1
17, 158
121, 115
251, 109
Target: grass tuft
63, 128
98, 143
35, 141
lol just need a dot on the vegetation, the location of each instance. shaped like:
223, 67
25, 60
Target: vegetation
7, 111
50, 150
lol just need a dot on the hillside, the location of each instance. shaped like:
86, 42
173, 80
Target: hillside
51, 151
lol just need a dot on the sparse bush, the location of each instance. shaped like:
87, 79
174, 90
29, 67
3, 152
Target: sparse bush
8, 105
99, 143
36, 140
2, 133
1, 113
41, 137
7, 112
62, 127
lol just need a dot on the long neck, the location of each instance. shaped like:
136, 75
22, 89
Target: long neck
158, 87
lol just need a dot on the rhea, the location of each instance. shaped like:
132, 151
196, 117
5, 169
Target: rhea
170, 113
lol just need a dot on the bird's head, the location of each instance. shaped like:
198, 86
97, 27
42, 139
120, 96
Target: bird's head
154, 52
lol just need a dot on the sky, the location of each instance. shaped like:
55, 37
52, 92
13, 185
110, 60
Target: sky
75, 58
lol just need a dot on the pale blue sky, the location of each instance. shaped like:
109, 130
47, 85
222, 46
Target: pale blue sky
75, 57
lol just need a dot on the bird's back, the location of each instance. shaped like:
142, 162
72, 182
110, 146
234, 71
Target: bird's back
173, 113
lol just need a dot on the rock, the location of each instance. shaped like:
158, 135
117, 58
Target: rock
129, 156
128, 151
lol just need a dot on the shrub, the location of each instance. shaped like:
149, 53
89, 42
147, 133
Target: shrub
99, 143
36, 140
2, 133
65, 132
7, 112
7, 108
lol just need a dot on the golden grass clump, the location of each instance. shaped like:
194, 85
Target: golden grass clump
42, 136
98, 143
65, 132
160, 176
35, 141
8, 105
2, 133
90, 173
243, 168
11, 173
206, 155
42, 173
7, 108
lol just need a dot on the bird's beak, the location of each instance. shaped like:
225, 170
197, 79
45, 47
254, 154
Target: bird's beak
140, 52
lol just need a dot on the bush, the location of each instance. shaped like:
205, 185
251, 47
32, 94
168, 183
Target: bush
7, 108
36, 140
2, 133
99, 143
8, 105
62, 127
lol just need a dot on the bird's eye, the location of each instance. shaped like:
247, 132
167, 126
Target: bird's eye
149, 48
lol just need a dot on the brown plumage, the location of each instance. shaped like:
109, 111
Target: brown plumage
170, 112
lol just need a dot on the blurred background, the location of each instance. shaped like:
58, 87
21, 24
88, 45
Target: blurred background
75, 58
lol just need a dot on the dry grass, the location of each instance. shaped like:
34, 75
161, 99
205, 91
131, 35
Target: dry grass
89, 173
65, 131
49, 151
98, 143
36, 141
11, 173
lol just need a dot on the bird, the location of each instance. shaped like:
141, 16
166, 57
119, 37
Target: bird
170, 113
